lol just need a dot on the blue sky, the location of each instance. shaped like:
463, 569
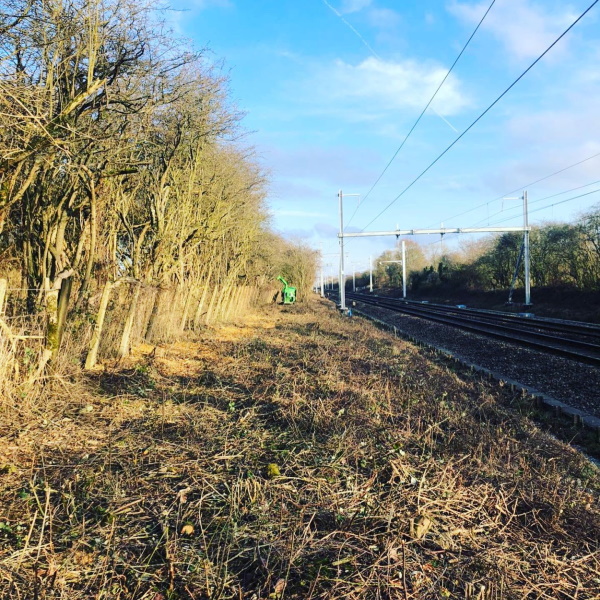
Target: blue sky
332, 87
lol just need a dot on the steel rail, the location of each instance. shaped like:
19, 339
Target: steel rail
590, 331
567, 348
496, 326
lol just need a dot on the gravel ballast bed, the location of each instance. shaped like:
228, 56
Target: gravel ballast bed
571, 382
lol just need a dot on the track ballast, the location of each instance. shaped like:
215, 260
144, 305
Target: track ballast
568, 339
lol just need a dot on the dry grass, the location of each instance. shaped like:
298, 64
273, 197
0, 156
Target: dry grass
300, 456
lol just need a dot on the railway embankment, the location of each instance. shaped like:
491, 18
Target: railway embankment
301, 454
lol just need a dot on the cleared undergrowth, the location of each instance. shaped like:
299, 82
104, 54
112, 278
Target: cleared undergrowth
300, 456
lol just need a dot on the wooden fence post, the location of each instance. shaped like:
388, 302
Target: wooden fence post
229, 303
223, 297
233, 311
200, 306
155, 314
12, 339
198, 313
186, 309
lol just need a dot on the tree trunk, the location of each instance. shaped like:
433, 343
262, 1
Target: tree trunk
92, 248
155, 312
209, 312
198, 314
52, 340
3, 286
63, 306
125, 345
90, 361
186, 308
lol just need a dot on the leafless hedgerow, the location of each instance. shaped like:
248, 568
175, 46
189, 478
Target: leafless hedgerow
124, 171
299, 456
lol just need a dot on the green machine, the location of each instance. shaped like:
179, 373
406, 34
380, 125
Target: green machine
288, 293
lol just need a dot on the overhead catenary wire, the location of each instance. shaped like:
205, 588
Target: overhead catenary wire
426, 107
541, 208
523, 187
548, 176
436, 160
551, 205
517, 207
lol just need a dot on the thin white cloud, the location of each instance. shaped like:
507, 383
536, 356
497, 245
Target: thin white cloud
589, 75
326, 230
296, 234
326, 164
517, 173
558, 128
350, 6
204, 4
384, 18
524, 27
375, 86
550, 140
299, 213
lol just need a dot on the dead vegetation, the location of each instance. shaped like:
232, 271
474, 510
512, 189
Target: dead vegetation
299, 456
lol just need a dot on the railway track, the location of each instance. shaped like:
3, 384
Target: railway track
568, 339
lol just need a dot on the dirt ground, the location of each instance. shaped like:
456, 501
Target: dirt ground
297, 455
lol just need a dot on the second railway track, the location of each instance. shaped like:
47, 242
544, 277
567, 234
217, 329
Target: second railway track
568, 339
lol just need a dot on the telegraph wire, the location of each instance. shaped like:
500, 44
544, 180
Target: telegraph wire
538, 59
426, 107
536, 210
549, 176
499, 222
